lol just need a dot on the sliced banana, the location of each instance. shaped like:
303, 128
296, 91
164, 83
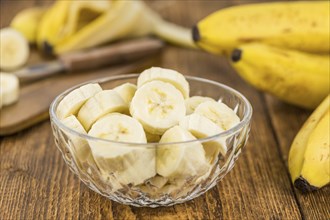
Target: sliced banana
157, 106
100, 104
194, 101
219, 113
72, 102
130, 164
14, 49
126, 91
9, 89
166, 75
202, 127
180, 160
79, 145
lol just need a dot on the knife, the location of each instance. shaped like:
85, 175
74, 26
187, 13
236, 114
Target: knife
116, 53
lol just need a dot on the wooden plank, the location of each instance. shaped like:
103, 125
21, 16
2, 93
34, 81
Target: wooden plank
287, 120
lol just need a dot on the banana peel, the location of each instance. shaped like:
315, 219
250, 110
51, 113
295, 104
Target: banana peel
309, 156
67, 26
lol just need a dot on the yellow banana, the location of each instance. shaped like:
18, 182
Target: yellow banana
27, 21
52, 25
297, 25
121, 19
309, 156
295, 77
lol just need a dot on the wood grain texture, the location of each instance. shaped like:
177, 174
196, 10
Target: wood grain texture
35, 183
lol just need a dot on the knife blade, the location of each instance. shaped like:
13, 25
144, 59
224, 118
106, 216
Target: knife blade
116, 53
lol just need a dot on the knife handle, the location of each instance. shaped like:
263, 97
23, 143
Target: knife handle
114, 54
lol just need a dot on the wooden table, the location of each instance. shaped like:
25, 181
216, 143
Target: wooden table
35, 183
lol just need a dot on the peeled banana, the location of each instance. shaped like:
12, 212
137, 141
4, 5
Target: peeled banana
75, 25
309, 154
301, 25
295, 77
27, 22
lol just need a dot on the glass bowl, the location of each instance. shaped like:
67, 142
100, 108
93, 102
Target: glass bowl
133, 180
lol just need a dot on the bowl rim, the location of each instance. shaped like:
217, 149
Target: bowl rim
246, 118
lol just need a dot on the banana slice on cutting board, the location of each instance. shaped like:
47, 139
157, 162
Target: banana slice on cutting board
14, 49
165, 75
102, 103
180, 160
72, 102
129, 163
158, 106
219, 113
126, 91
202, 127
9, 89
79, 145
194, 101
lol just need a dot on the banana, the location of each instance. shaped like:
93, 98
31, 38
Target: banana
180, 160
165, 75
65, 28
100, 104
194, 101
9, 89
51, 25
286, 74
298, 25
157, 106
219, 113
126, 91
202, 127
73, 101
14, 49
27, 21
309, 153
129, 163
79, 146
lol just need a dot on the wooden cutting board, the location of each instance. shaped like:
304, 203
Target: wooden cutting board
35, 98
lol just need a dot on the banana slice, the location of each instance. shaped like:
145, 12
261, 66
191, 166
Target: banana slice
180, 160
219, 113
100, 104
126, 91
14, 49
128, 163
194, 101
9, 89
165, 75
202, 127
80, 147
72, 102
157, 106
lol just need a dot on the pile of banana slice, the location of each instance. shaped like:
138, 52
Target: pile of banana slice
157, 110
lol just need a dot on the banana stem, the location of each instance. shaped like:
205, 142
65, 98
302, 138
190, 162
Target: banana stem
173, 33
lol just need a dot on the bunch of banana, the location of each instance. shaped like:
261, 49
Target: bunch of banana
153, 110
75, 25
281, 48
309, 157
